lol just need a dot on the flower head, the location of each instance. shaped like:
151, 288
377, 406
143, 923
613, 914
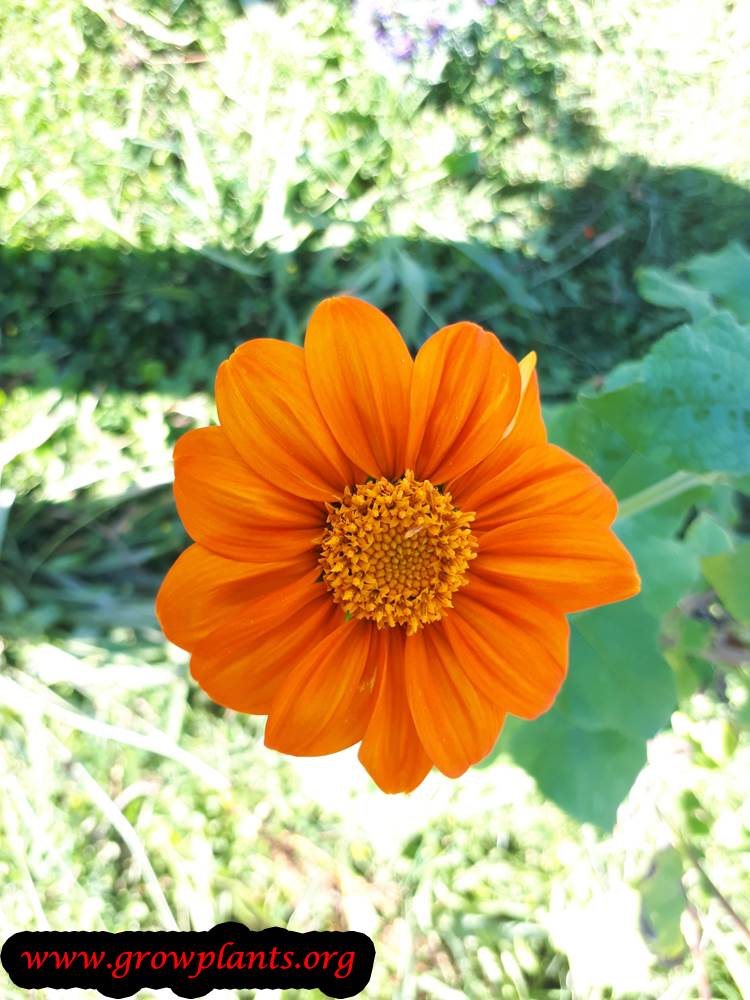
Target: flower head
385, 548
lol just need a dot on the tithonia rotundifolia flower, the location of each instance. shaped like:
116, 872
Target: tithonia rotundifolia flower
385, 548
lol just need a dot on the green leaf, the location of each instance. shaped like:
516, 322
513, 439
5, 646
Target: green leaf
462, 164
726, 275
707, 282
587, 750
729, 575
581, 432
690, 409
576, 428
587, 772
668, 568
686, 639
621, 375
618, 679
663, 288
706, 537
662, 903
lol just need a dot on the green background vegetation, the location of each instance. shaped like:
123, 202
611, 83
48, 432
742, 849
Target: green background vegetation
176, 178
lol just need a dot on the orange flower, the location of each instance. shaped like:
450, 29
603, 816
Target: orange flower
385, 549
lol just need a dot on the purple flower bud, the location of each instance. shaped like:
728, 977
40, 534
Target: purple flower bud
404, 46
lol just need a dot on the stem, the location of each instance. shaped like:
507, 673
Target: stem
690, 855
699, 965
721, 899
665, 489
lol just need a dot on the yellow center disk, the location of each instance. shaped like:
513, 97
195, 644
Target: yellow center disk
395, 552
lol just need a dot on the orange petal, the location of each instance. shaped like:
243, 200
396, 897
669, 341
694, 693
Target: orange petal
526, 430
243, 663
391, 750
541, 480
326, 701
568, 562
465, 390
514, 649
267, 409
232, 511
457, 725
527, 425
360, 371
202, 589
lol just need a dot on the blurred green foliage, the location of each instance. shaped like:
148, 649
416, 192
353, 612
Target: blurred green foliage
215, 198
178, 177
